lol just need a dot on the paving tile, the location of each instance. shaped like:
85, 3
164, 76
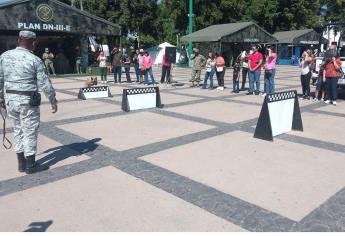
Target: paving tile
134, 130
220, 111
322, 127
49, 151
105, 200
77, 109
286, 178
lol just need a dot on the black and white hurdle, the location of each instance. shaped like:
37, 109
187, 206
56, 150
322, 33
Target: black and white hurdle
94, 92
141, 98
280, 113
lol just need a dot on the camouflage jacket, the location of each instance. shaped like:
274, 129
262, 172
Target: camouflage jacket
21, 70
198, 61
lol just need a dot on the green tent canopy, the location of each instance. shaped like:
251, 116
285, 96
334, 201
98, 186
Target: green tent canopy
243, 32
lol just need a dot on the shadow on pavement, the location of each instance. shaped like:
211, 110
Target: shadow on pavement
66, 151
39, 226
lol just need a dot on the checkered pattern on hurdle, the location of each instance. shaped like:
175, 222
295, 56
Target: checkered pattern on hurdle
276, 97
140, 90
95, 89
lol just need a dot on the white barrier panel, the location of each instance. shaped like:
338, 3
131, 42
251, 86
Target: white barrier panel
280, 114
140, 98
94, 92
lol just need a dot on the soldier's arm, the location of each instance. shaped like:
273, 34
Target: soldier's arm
44, 82
2, 81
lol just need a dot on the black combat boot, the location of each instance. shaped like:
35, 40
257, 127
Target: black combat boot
21, 162
32, 166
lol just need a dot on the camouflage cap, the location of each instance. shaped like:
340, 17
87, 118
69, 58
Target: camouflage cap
27, 34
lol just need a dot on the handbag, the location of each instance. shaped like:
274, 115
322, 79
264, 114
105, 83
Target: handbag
220, 69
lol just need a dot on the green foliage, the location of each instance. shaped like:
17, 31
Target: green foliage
167, 20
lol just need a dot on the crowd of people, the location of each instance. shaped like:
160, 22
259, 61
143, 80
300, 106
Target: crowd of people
142, 63
325, 79
249, 64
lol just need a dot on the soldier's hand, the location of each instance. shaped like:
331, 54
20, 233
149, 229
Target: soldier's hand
54, 108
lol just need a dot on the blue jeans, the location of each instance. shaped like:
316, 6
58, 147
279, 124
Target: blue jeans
137, 71
149, 71
254, 76
117, 73
269, 81
209, 76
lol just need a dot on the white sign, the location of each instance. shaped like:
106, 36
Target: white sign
309, 42
281, 114
141, 101
251, 40
44, 26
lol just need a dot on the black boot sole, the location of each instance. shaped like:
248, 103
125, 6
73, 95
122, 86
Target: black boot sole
36, 169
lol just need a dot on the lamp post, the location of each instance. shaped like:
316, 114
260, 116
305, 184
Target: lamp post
190, 26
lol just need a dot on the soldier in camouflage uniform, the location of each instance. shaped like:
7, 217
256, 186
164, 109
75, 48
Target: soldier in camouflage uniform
48, 60
21, 74
198, 63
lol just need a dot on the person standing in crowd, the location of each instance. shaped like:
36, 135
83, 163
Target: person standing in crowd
198, 61
136, 65
48, 61
245, 69
127, 64
255, 62
166, 70
236, 77
332, 73
147, 64
304, 62
220, 71
320, 88
270, 70
102, 60
117, 69
142, 67
210, 70
20, 80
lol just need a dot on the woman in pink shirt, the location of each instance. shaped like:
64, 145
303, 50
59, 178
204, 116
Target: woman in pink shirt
147, 64
270, 70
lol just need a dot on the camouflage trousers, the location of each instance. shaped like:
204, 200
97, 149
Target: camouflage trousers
196, 74
26, 123
50, 66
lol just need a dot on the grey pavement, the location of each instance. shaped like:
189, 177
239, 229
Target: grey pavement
191, 166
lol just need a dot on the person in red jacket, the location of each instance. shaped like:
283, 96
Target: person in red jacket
255, 61
166, 70
332, 73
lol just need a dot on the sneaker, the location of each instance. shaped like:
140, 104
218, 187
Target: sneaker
221, 88
249, 93
327, 101
334, 103
322, 100
315, 99
264, 94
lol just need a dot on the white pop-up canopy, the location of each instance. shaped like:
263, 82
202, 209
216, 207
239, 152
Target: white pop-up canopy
157, 53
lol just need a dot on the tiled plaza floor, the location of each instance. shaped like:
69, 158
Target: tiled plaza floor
191, 166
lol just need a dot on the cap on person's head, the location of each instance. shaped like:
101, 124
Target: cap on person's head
141, 50
196, 50
47, 49
27, 34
